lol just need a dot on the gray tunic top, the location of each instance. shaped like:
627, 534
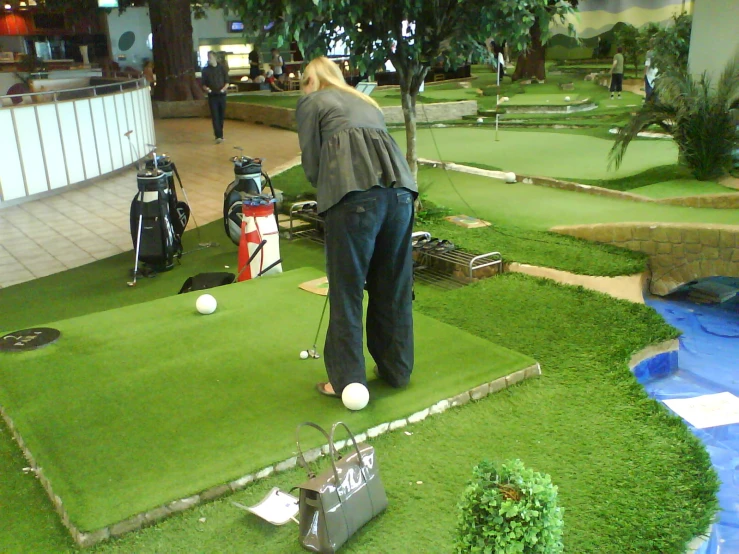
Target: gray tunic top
346, 147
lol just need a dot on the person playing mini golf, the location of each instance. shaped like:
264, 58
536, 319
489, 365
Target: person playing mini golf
366, 192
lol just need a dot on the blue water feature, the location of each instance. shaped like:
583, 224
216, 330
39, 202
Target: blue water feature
706, 363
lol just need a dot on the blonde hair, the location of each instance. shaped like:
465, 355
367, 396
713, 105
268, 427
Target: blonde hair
326, 74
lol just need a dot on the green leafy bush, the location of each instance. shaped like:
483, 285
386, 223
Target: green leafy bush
508, 508
698, 116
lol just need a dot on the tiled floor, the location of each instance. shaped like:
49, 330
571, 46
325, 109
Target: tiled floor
88, 223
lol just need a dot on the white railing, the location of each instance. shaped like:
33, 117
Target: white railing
70, 136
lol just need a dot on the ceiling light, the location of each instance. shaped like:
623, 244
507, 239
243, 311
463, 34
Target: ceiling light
8, 7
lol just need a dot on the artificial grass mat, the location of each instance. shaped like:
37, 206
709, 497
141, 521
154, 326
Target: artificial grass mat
136, 407
632, 479
683, 187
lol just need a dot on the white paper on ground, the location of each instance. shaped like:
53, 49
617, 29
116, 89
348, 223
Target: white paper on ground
277, 507
709, 410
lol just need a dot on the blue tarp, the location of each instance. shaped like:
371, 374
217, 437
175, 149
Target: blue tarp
707, 363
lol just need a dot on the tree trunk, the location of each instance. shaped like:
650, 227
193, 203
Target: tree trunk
410, 76
530, 64
174, 66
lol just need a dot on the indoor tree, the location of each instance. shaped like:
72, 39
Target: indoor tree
411, 34
531, 61
627, 36
697, 114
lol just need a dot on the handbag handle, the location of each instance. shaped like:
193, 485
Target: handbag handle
301, 458
332, 446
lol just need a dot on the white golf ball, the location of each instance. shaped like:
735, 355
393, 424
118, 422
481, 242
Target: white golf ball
479, 120
355, 396
567, 98
510, 177
304, 355
206, 304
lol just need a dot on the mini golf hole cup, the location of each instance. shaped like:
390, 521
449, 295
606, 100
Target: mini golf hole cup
206, 304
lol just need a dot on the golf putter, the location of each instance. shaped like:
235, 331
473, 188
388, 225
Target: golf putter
313, 353
138, 240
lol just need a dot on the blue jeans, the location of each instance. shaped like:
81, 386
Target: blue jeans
368, 245
217, 103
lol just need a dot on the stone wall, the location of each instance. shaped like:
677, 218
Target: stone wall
285, 117
263, 114
678, 253
444, 111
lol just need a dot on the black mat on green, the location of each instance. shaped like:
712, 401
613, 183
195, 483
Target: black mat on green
146, 404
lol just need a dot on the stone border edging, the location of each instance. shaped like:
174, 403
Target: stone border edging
645, 353
155, 515
729, 200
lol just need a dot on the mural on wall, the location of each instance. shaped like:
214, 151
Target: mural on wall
597, 21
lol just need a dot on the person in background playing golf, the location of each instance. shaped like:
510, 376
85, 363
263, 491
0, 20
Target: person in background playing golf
366, 193
215, 83
617, 72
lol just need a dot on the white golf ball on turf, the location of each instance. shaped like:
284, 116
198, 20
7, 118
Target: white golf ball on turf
567, 98
304, 355
510, 177
355, 396
206, 304
479, 120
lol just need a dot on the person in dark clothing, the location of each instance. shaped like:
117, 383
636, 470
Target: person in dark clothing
254, 69
366, 193
215, 83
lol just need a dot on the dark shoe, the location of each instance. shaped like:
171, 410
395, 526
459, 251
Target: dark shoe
321, 387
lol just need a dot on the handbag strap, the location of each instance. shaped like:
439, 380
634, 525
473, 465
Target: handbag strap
301, 458
332, 446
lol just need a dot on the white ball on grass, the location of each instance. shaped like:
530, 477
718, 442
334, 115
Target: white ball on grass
510, 177
206, 304
355, 396
304, 355
479, 120
567, 98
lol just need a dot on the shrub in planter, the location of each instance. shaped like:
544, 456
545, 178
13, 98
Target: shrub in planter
508, 508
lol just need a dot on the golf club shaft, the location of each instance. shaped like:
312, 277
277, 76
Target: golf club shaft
138, 238
320, 323
253, 255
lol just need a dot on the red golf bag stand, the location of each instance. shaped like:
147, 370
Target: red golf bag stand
258, 224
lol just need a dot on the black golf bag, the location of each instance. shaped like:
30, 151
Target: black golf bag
179, 211
249, 180
152, 229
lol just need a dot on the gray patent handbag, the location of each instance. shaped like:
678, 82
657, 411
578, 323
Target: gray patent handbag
339, 501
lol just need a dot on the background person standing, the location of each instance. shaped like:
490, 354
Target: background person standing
278, 64
215, 83
617, 72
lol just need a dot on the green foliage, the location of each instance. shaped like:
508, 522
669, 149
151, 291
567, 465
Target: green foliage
627, 36
696, 114
509, 508
670, 44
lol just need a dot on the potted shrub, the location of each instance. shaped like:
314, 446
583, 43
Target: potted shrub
507, 508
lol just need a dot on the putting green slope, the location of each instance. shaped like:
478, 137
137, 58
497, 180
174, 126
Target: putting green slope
139, 406
544, 154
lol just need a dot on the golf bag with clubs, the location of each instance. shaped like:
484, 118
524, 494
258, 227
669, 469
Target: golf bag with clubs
249, 181
158, 219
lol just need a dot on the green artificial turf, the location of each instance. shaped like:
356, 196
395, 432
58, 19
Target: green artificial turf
683, 187
136, 407
538, 207
101, 285
632, 479
544, 154
541, 99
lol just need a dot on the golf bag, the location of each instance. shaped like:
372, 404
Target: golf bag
179, 211
152, 230
249, 181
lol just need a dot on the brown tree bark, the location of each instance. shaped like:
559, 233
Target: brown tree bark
531, 64
173, 50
